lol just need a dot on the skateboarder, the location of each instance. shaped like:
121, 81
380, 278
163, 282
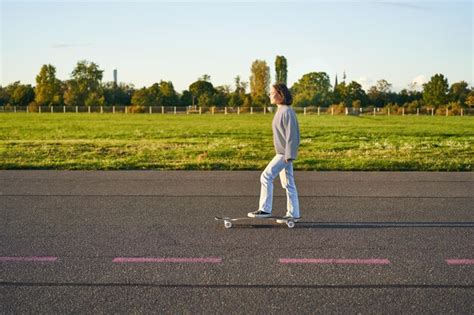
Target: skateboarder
286, 139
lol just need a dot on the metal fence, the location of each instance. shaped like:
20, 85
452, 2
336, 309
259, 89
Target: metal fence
197, 110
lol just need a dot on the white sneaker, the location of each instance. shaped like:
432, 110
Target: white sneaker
259, 214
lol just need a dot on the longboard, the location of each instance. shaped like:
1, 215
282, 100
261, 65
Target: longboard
228, 221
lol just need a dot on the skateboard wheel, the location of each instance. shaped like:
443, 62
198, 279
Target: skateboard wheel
291, 224
227, 224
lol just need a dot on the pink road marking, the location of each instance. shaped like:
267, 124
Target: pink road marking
372, 261
213, 260
460, 261
30, 258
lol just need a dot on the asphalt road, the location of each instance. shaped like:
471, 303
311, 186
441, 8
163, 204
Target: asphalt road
147, 241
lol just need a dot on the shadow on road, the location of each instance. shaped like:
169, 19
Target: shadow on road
361, 225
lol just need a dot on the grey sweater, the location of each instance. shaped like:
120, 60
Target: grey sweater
286, 132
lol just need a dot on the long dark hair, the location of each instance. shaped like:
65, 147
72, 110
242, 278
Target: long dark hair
282, 89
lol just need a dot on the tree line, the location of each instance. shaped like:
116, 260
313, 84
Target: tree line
85, 88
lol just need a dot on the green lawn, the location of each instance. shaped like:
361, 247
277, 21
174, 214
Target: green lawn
231, 142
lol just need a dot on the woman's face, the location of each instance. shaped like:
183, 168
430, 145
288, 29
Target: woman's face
275, 96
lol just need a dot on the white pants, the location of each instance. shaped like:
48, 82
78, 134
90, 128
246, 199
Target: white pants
277, 166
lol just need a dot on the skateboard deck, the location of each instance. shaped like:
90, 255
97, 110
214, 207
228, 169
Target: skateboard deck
228, 221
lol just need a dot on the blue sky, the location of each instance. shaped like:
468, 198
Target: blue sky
180, 41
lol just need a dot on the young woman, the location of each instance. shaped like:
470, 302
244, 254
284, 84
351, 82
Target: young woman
286, 139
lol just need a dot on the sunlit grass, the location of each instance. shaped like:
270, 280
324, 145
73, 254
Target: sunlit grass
231, 142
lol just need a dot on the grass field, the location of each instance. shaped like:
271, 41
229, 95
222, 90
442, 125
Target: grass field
232, 142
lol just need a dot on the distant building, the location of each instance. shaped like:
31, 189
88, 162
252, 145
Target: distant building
115, 77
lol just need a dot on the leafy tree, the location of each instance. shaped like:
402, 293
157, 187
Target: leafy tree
260, 82
158, 94
236, 100
200, 88
312, 89
247, 100
374, 97
186, 98
118, 95
147, 96
85, 84
378, 95
222, 95
169, 97
204, 100
383, 86
408, 96
154, 92
4, 96
281, 69
458, 92
95, 99
20, 94
48, 88
470, 99
355, 92
237, 97
340, 92
435, 92
240, 87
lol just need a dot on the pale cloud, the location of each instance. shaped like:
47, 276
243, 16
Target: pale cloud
63, 45
405, 5
419, 80
365, 82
